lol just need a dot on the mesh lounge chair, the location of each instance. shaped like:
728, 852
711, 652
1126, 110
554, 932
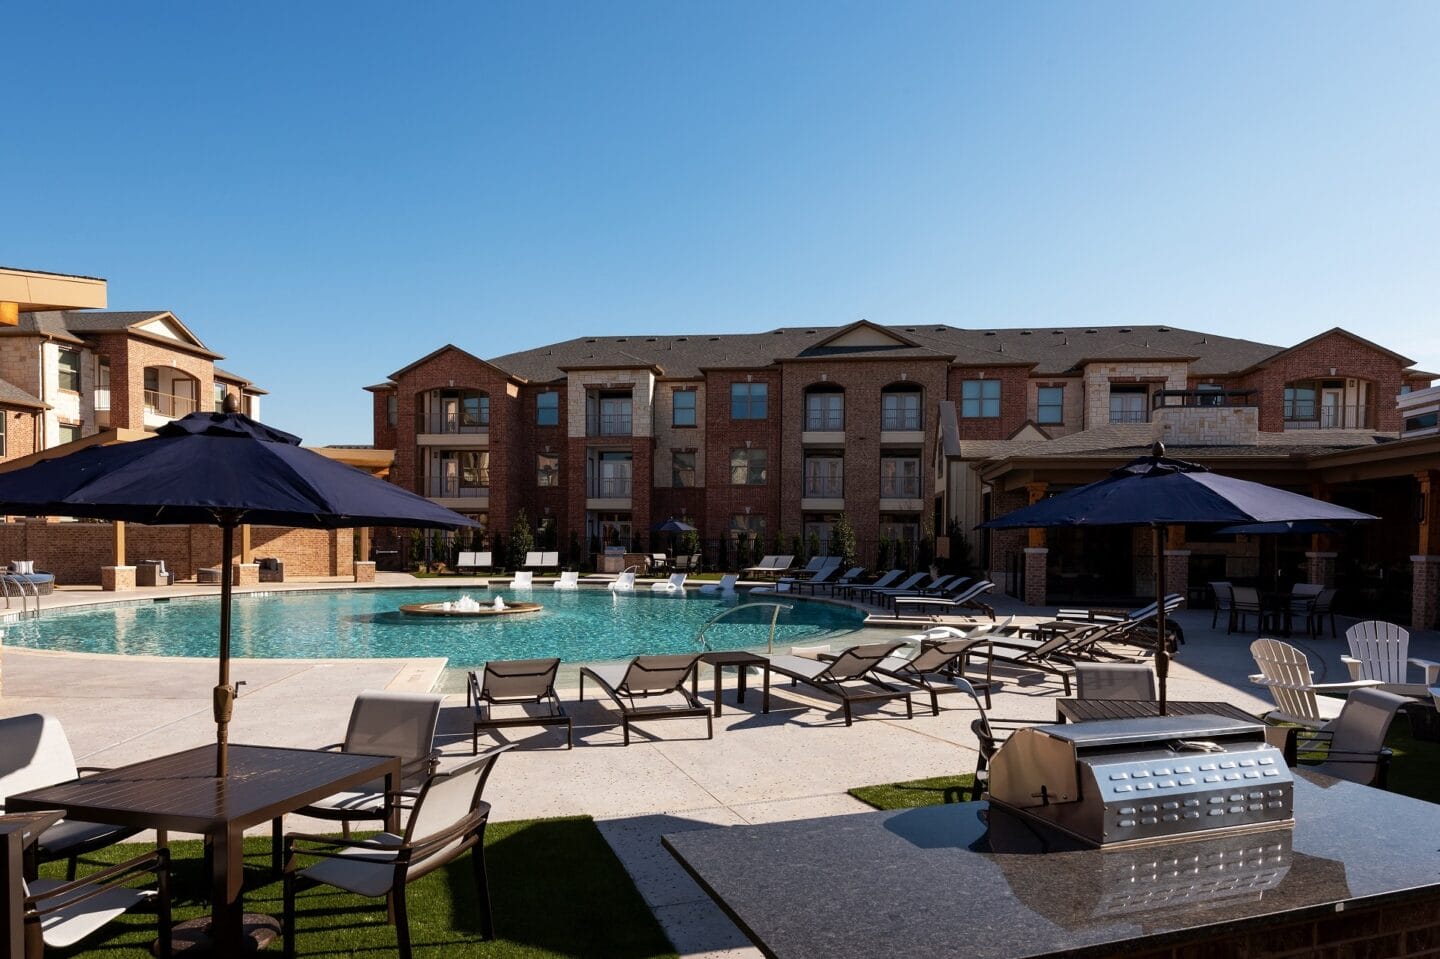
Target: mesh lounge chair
939, 667
1352, 747
381, 724
60, 915
1381, 651
647, 677
1129, 681
675, 584
867, 594
854, 665
848, 577
534, 561
524, 579
851, 589
624, 583
967, 596
726, 584
448, 818
1059, 654
516, 682
827, 569
1285, 672
569, 579
936, 586
765, 566
34, 753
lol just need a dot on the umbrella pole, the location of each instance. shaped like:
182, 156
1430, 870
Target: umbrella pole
1162, 651
224, 692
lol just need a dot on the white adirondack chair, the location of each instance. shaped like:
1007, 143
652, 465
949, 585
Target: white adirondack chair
1381, 651
1285, 671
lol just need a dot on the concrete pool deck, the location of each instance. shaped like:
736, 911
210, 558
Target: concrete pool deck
795, 763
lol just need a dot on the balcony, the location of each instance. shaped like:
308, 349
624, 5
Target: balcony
1129, 415
903, 421
449, 487
169, 405
1311, 416
610, 424
609, 493
1202, 398
454, 423
825, 421
899, 487
824, 487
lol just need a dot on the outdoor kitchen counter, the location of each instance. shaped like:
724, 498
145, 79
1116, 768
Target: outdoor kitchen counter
1360, 865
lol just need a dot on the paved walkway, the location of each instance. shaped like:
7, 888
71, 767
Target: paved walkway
795, 763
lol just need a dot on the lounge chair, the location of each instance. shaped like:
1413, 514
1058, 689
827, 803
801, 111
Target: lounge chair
1128, 681
1352, 746
675, 584
381, 724
766, 565
624, 583
939, 667
787, 584
60, 914
936, 587
1173, 601
883, 582
448, 819
1285, 672
1058, 654
570, 579
475, 560
726, 584
854, 665
35, 753
1381, 651
849, 576
516, 682
524, 579
534, 560
646, 677
866, 594
965, 597
550, 560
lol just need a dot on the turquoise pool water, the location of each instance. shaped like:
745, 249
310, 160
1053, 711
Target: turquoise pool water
586, 625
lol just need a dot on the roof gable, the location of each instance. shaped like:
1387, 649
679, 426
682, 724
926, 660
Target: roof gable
1404, 361
863, 333
451, 348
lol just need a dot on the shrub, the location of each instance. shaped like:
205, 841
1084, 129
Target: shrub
842, 541
522, 539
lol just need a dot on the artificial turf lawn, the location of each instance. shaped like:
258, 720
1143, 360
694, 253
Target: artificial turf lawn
556, 887
1414, 771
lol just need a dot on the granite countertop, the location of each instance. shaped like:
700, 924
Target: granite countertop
946, 880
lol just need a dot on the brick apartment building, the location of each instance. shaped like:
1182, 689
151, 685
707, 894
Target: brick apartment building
780, 432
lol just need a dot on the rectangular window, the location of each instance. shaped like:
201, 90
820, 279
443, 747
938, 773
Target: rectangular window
547, 409
68, 433
683, 407
749, 525
69, 367
749, 401
219, 397
900, 411
1050, 404
1425, 421
1127, 404
474, 410
4, 430
825, 412
392, 409
682, 468
824, 477
1300, 403
900, 477
980, 399
547, 470
748, 467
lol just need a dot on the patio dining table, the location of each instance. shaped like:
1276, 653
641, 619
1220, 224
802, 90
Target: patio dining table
181, 793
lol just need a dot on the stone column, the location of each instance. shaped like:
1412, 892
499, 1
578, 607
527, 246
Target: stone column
1320, 568
364, 571
115, 579
1034, 587
247, 574
1425, 593
1177, 572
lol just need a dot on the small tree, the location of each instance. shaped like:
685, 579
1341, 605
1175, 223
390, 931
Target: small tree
962, 554
690, 542
417, 547
497, 549
812, 546
842, 541
797, 548
724, 561
522, 539
574, 551
882, 554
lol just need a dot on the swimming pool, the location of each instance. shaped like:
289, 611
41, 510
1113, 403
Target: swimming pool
585, 625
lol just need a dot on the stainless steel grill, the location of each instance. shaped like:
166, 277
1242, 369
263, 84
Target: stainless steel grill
1135, 780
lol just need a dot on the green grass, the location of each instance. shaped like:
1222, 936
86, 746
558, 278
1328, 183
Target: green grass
1414, 771
557, 890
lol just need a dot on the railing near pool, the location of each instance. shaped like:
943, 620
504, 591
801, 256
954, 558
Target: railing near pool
774, 617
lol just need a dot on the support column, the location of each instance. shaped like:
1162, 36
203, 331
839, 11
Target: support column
119, 543
1320, 568
245, 552
1035, 535
1036, 561
117, 579
1425, 593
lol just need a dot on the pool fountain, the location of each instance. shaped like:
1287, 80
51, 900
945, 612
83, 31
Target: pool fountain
466, 606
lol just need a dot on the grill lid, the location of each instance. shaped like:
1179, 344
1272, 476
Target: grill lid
1123, 732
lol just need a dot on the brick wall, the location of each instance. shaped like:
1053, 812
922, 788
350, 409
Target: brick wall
74, 552
1349, 358
1100, 376
128, 359
20, 424
1014, 390
722, 499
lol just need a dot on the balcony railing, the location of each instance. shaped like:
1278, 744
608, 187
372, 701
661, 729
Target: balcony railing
900, 422
1129, 416
168, 404
899, 487
611, 487
824, 487
1169, 398
102, 399
1313, 416
450, 487
611, 424
824, 421
453, 423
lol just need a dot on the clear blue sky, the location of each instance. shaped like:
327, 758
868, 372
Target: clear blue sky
326, 191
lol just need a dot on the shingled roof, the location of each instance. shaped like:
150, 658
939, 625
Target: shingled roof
1051, 350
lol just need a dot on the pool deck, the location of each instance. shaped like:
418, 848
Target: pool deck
797, 762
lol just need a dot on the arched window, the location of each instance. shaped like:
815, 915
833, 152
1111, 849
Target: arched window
902, 408
824, 408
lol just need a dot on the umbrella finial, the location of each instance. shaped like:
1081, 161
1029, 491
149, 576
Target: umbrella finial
232, 403
1158, 450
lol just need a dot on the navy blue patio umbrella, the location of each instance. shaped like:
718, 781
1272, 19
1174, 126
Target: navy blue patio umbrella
220, 469
1302, 527
1157, 491
673, 525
